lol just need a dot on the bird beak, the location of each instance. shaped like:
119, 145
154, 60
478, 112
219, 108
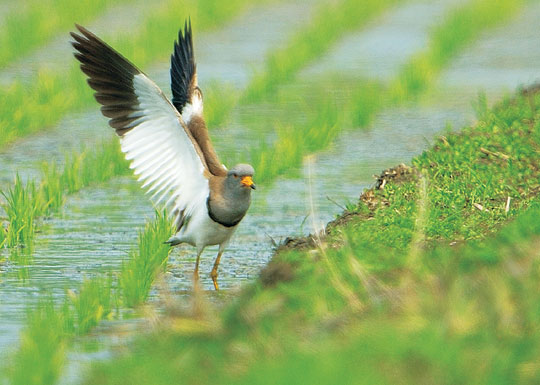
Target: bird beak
248, 182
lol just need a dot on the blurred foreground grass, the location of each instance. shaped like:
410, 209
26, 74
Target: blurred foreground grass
433, 278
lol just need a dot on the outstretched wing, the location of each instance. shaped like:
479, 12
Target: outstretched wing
161, 150
187, 97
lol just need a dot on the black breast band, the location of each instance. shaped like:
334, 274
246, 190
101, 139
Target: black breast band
215, 219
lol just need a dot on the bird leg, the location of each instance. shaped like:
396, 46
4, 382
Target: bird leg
214, 273
196, 271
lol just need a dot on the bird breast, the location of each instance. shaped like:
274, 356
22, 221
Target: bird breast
228, 210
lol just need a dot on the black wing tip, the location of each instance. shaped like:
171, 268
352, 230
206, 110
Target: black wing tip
78, 36
183, 68
83, 37
186, 34
83, 33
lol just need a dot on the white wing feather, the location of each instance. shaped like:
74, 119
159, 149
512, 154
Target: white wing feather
162, 154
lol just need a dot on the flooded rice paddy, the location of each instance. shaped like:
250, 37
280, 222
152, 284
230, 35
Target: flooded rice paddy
99, 225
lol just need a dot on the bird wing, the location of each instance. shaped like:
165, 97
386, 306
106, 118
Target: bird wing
188, 100
187, 97
153, 137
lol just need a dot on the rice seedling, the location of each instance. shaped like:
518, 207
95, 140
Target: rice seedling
365, 102
21, 204
22, 257
102, 165
70, 179
146, 260
3, 234
51, 187
25, 28
264, 312
330, 23
52, 95
25, 203
321, 125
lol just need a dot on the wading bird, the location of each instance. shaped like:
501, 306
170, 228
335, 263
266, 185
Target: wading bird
167, 143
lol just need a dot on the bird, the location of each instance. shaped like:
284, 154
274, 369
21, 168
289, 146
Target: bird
167, 142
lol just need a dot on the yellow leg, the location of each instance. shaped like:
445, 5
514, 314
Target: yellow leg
214, 273
196, 271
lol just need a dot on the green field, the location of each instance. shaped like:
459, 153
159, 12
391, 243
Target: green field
431, 276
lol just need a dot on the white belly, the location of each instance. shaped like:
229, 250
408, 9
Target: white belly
202, 231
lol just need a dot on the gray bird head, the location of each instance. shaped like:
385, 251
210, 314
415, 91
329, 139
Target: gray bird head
241, 176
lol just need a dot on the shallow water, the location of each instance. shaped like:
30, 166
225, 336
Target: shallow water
99, 224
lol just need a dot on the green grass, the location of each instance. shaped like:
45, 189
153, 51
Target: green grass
25, 27
385, 299
468, 317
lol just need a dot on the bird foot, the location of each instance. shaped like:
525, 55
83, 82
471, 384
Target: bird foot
214, 276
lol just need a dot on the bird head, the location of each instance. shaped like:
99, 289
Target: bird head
242, 175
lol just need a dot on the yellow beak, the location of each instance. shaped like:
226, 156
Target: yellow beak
248, 182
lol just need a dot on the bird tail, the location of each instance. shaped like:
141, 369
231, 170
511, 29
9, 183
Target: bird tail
173, 241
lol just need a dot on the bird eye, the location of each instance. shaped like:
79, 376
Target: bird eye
235, 175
